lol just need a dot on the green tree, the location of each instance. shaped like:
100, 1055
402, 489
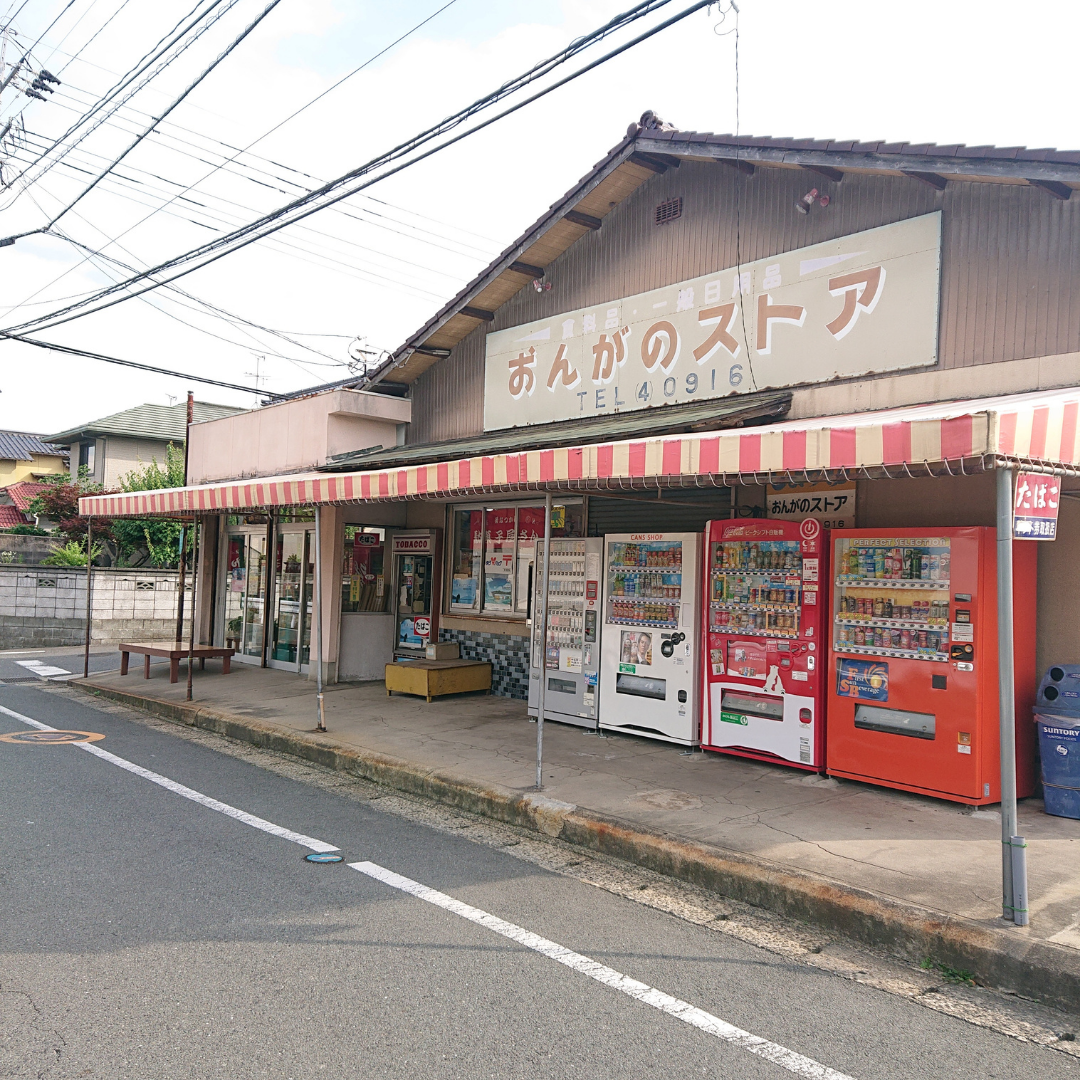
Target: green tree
158, 537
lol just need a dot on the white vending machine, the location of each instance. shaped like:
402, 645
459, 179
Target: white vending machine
650, 682
571, 659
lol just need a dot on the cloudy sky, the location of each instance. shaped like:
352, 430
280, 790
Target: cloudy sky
380, 264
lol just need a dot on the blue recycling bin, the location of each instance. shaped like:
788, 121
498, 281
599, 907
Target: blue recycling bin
1059, 691
1059, 748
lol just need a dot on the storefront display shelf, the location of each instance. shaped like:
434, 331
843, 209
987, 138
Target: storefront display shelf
736, 605
890, 583
735, 631
891, 624
665, 624
906, 654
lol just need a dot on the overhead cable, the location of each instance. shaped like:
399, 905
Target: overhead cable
391, 162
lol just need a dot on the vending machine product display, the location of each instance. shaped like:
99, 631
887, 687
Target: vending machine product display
913, 672
570, 660
764, 613
416, 576
649, 681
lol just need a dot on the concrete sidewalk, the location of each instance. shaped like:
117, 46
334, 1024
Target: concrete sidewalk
915, 875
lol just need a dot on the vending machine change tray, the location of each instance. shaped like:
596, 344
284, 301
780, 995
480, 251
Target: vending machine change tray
896, 721
640, 686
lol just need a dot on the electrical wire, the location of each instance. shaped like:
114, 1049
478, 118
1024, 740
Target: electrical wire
68, 350
204, 74
345, 185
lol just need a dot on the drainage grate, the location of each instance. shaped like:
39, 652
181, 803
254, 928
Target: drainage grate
20, 679
669, 210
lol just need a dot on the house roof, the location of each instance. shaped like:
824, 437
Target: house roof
11, 516
22, 446
651, 147
167, 423
733, 411
23, 493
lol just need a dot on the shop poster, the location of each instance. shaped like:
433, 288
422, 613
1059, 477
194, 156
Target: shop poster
867, 680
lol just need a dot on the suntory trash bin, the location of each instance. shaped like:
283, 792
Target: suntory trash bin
1059, 747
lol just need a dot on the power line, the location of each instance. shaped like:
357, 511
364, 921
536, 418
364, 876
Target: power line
69, 351
345, 185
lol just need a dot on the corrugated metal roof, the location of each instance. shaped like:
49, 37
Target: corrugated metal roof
664, 420
651, 146
22, 446
165, 422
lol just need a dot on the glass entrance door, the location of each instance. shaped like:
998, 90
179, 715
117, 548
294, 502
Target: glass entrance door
245, 591
293, 580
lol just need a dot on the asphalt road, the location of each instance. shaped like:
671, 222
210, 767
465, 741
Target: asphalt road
144, 934
21, 664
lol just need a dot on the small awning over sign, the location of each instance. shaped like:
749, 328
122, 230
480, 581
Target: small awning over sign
1037, 431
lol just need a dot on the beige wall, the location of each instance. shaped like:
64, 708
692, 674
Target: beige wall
293, 436
116, 456
11, 472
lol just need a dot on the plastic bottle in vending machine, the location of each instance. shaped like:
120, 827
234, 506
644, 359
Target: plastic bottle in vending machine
944, 564
924, 566
935, 567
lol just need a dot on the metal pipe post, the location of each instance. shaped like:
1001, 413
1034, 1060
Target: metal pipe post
89, 560
180, 584
320, 724
194, 606
543, 614
1006, 690
1018, 853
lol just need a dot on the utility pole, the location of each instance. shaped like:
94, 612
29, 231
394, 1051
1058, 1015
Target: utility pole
183, 530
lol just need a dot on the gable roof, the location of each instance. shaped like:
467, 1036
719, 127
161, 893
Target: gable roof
167, 423
651, 147
22, 446
11, 516
23, 493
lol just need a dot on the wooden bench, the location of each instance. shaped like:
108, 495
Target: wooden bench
433, 678
175, 651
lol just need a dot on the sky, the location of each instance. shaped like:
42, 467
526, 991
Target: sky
370, 271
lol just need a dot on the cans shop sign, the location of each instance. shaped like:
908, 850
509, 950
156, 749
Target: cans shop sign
1035, 506
860, 304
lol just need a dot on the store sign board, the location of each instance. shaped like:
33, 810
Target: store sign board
413, 544
831, 504
862, 303
1035, 506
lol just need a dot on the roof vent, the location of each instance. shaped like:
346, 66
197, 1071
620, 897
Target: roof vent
669, 210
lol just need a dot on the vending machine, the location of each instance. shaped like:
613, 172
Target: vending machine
764, 614
416, 576
649, 677
913, 667
570, 660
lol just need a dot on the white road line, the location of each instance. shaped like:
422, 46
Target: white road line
787, 1059
186, 792
681, 1010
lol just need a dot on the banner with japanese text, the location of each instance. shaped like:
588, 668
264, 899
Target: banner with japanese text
862, 303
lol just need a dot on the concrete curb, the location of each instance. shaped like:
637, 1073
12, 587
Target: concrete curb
1006, 959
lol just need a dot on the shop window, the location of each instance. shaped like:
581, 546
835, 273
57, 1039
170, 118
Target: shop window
492, 554
363, 571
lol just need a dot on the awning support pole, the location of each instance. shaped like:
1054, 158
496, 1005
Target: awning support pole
89, 560
180, 585
194, 606
1010, 887
543, 614
320, 724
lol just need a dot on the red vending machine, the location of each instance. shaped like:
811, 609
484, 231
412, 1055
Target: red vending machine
765, 608
913, 671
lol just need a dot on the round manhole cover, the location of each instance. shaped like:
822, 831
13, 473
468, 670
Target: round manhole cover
51, 738
323, 857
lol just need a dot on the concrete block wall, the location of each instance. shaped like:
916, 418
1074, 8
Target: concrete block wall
46, 606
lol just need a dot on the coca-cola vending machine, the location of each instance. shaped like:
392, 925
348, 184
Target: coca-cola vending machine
766, 595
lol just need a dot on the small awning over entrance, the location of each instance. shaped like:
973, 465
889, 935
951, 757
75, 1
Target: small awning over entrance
1037, 431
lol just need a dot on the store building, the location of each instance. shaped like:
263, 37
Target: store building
699, 322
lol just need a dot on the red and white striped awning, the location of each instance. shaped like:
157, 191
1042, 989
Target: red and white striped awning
1033, 430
